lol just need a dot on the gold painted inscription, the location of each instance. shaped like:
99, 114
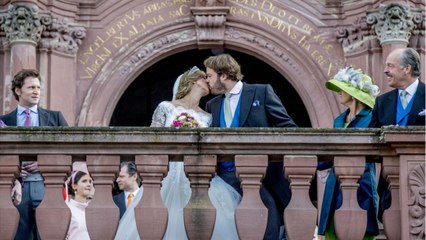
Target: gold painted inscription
134, 24
268, 14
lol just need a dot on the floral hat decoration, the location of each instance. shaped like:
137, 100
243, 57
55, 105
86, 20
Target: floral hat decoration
355, 83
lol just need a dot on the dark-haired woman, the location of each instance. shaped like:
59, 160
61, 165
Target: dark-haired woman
79, 189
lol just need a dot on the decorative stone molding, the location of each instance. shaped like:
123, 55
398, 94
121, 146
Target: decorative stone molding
357, 37
210, 3
63, 36
394, 22
257, 40
23, 23
417, 202
159, 45
210, 18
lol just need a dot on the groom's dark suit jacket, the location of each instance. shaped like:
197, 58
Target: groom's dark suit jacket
46, 118
261, 107
384, 112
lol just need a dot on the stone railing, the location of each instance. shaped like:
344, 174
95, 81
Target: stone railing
400, 150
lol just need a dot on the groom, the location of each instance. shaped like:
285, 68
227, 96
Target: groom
248, 105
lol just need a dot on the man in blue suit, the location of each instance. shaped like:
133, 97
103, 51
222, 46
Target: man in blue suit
249, 105
26, 89
403, 106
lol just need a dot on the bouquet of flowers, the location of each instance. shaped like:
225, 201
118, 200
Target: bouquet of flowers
185, 120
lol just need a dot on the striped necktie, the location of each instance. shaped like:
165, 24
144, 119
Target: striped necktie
403, 96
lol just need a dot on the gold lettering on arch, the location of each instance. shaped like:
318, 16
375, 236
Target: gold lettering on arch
282, 21
124, 30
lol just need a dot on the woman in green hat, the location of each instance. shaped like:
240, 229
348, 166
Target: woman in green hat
357, 92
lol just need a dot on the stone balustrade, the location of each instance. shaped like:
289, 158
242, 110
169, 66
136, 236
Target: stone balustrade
400, 150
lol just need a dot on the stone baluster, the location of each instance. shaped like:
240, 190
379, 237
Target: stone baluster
300, 214
251, 169
102, 215
150, 213
392, 215
348, 171
9, 215
52, 210
199, 213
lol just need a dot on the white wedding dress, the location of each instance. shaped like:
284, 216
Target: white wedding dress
176, 190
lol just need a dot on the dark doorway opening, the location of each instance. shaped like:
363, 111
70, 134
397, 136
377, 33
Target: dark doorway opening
136, 106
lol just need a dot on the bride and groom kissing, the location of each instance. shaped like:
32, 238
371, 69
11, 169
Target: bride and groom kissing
237, 104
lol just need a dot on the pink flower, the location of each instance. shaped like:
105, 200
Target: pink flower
184, 120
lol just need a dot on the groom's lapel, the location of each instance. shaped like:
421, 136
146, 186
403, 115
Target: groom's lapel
247, 96
216, 106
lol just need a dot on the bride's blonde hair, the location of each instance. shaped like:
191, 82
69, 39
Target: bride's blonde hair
187, 80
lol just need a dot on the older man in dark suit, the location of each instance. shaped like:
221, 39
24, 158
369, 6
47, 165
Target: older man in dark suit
249, 105
403, 106
26, 89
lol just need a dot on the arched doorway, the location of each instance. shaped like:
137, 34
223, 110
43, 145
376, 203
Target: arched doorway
154, 85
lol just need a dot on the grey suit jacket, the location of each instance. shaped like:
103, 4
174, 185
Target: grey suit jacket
384, 112
259, 107
46, 118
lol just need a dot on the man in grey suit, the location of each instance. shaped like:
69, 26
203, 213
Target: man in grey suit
26, 89
249, 105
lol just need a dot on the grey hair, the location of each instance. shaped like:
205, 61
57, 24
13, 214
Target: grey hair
410, 57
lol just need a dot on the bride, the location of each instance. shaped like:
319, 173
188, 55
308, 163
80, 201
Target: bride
184, 111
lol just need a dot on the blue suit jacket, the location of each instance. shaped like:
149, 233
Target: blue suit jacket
384, 112
121, 204
46, 118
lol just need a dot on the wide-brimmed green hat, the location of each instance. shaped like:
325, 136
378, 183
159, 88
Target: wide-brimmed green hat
355, 83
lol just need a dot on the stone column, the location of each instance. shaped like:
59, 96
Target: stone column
300, 214
392, 215
199, 214
251, 211
23, 24
103, 169
150, 213
52, 210
58, 47
348, 171
9, 215
393, 24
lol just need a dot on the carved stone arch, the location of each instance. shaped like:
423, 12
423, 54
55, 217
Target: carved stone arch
115, 76
295, 65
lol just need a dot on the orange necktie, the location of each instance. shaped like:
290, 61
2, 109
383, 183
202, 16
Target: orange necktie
129, 199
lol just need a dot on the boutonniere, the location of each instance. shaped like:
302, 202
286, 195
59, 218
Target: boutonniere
422, 113
256, 103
